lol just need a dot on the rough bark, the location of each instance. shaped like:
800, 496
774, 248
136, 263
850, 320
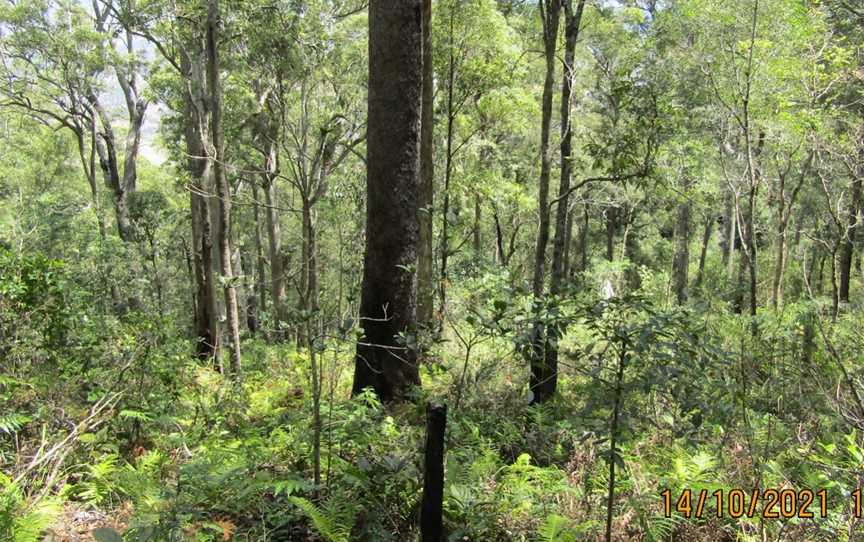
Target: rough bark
425, 274
386, 357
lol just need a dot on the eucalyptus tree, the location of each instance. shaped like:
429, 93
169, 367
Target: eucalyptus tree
216, 155
125, 58
768, 108
51, 60
187, 37
57, 59
386, 358
550, 17
560, 247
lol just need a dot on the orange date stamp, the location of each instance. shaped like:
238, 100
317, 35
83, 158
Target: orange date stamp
765, 503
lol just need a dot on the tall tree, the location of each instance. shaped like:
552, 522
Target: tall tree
216, 154
550, 16
572, 20
386, 358
195, 133
127, 69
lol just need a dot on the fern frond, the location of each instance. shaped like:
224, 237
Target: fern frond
556, 529
13, 422
29, 525
333, 522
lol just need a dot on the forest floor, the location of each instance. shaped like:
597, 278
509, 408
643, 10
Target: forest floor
77, 523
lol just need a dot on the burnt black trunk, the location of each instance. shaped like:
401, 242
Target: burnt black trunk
431, 524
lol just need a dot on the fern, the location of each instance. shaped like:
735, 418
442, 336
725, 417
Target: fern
561, 529
662, 528
13, 422
20, 521
693, 469
556, 529
333, 522
100, 482
30, 525
135, 415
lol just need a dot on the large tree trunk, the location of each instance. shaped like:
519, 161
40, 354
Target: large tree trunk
550, 12
217, 155
681, 261
425, 274
386, 357
548, 383
137, 108
267, 132
206, 330
126, 68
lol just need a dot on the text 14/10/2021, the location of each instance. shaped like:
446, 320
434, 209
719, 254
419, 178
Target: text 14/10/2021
736, 503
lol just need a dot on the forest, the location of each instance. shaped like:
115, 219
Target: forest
431, 270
